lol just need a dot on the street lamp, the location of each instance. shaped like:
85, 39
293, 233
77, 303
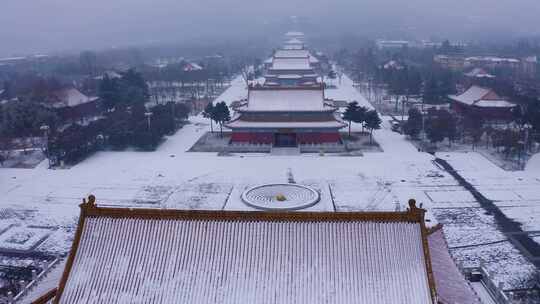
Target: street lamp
45, 129
148, 117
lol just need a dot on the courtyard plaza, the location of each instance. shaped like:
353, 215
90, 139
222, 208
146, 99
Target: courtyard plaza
171, 177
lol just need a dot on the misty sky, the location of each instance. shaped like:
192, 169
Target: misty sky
36, 26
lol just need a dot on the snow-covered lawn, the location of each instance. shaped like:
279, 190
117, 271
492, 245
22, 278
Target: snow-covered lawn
173, 178
516, 193
534, 163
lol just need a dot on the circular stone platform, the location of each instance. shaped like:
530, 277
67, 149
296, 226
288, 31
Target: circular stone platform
281, 197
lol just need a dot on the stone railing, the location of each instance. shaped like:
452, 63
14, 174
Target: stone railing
475, 274
36, 278
325, 148
248, 148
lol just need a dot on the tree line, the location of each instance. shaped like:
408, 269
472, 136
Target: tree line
126, 122
441, 124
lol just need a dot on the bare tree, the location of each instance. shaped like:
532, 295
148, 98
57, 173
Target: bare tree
88, 61
246, 72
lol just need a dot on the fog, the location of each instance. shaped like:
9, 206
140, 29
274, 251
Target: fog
37, 26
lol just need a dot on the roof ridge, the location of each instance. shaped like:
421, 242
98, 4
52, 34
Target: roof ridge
413, 214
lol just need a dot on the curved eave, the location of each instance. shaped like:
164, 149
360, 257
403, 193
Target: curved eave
328, 109
247, 125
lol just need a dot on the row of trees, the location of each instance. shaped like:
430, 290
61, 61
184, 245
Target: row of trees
442, 124
127, 121
369, 119
438, 125
217, 71
133, 126
24, 119
218, 113
412, 73
122, 92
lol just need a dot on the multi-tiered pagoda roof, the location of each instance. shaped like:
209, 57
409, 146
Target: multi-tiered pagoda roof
302, 112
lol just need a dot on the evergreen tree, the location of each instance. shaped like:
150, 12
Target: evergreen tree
360, 116
8, 92
373, 122
430, 95
221, 115
413, 126
434, 132
20, 119
123, 92
332, 75
414, 82
473, 125
134, 88
163, 120
447, 123
109, 93
88, 62
351, 114
209, 113
532, 115
439, 84
181, 111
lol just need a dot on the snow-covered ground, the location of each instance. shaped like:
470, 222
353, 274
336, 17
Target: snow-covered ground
516, 193
173, 178
533, 164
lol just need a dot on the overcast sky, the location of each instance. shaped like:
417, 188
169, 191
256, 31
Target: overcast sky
36, 26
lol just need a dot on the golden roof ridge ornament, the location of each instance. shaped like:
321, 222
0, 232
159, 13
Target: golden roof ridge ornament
89, 203
412, 207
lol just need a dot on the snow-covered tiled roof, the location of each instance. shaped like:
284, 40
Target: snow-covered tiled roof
451, 284
531, 59
295, 125
294, 34
173, 256
494, 103
481, 97
470, 96
290, 76
70, 98
294, 41
291, 64
479, 73
191, 66
110, 75
291, 54
12, 59
492, 59
286, 100
293, 47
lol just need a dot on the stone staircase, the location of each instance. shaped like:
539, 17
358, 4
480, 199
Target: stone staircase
285, 151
